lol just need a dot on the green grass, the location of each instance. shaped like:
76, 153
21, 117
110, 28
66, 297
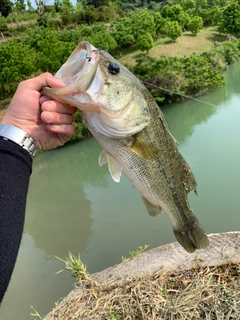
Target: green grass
184, 46
135, 253
76, 267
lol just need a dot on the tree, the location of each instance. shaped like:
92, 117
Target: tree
183, 19
5, 7
159, 22
30, 7
104, 40
41, 6
20, 5
195, 25
66, 7
121, 31
171, 12
142, 22
145, 42
173, 30
57, 5
230, 20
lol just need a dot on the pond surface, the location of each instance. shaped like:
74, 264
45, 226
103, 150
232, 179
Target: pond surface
74, 205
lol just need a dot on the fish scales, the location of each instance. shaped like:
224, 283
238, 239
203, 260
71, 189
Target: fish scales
159, 181
125, 119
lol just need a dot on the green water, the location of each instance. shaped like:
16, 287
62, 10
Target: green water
73, 204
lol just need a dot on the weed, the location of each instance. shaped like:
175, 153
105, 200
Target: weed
76, 267
35, 314
135, 253
140, 249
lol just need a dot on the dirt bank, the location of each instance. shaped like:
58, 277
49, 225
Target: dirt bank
164, 261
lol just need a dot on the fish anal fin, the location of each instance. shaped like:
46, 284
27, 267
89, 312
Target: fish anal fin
151, 209
113, 167
145, 150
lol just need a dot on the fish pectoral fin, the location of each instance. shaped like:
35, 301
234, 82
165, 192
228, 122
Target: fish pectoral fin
102, 159
151, 209
145, 150
113, 167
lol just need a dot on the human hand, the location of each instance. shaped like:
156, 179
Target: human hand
47, 122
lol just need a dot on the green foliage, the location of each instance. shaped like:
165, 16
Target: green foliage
104, 40
159, 22
5, 7
18, 17
4, 29
122, 32
30, 7
183, 19
172, 13
195, 25
17, 61
145, 42
89, 15
81, 128
173, 30
135, 253
168, 78
20, 5
142, 22
230, 20
227, 52
76, 267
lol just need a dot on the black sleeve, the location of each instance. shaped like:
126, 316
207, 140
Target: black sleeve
15, 171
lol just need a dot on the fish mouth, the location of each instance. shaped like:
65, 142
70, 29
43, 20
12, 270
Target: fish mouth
77, 73
109, 109
82, 60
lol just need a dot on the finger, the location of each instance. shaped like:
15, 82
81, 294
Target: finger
63, 129
54, 106
43, 80
56, 118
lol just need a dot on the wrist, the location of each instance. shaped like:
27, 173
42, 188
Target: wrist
18, 136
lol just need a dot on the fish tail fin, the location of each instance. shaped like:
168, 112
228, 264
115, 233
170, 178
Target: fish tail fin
192, 239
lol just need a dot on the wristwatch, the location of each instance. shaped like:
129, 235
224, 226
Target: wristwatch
20, 137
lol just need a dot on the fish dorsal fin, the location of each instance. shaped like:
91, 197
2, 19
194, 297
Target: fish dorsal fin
151, 209
113, 167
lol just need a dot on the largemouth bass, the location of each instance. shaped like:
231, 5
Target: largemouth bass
123, 116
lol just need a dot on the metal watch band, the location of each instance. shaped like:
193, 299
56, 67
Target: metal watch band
20, 137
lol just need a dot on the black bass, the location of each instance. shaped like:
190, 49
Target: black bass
125, 119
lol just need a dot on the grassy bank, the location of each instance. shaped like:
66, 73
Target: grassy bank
185, 45
200, 293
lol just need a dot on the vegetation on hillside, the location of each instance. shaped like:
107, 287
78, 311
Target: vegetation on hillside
118, 26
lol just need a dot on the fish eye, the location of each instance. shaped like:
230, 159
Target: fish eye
113, 68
